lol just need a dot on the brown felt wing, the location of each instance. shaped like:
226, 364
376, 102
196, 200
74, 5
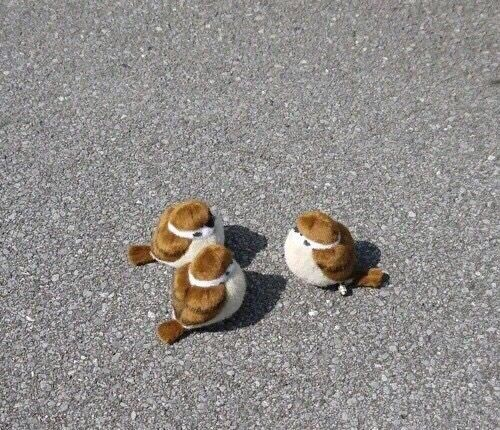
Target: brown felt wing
180, 288
338, 263
202, 304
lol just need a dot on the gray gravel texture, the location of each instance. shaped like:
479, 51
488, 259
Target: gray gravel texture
384, 114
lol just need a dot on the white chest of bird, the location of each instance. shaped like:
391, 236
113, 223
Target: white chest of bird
299, 259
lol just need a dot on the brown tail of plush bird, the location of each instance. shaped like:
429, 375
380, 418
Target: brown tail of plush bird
369, 277
169, 331
138, 255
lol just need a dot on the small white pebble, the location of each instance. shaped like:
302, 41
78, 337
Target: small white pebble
412, 214
151, 315
313, 313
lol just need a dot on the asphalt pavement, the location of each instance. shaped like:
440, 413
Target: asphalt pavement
382, 113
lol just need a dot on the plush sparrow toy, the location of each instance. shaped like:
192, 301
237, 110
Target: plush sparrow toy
320, 251
209, 289
183, 230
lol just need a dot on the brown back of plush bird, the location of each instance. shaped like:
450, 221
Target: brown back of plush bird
321, 251
208, 290
181, 232
337, 262
189, 215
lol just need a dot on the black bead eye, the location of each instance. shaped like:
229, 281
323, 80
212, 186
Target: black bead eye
210, 222
306, 243
197, 234
296, 229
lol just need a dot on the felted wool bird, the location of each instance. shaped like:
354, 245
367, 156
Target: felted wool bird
182, 231
208, 290
321, 252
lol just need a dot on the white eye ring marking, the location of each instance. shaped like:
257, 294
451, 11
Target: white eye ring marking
201, 233
212, 282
